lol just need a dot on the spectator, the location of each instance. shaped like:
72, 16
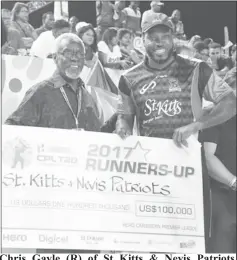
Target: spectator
43, 46
62, 100
20, 17
104, 14
233, 55
218, 62
128, 53
201, 51
178, 25
47, 23
220, 151
193, 40
155, 8
118, 13
3, 33
170, 113
13, 41
6, 17
89, 38
73, 22
132, 17
109, 51
208, 41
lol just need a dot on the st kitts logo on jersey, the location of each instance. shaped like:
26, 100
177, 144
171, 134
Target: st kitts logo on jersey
162, 107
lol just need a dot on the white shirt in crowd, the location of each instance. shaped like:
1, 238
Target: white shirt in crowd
43, 45
113, 56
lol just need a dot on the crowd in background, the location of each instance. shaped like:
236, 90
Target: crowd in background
114, 44
111, 41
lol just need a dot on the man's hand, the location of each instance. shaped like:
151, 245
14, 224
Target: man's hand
181, 134
123, 129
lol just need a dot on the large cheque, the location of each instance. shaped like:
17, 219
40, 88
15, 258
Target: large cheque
71, 189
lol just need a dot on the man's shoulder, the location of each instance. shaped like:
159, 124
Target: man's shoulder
135, 70
188, 61
44, 86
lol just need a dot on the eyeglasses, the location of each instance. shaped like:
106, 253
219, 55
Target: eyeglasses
72, 54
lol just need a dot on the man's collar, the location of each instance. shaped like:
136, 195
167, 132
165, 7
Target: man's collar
58, 81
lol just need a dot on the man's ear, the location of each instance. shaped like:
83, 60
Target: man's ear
54, 56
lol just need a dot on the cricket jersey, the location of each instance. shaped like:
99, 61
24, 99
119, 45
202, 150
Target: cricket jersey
164, 100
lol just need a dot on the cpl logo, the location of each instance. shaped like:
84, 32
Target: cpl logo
17, 153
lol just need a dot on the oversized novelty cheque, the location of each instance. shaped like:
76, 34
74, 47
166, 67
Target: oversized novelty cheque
70, 189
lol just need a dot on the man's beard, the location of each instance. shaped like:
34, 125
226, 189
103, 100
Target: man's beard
72, 73
162, 60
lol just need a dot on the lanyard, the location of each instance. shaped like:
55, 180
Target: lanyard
69, 105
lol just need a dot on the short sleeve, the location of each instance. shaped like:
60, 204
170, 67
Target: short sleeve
103, 47
210, 135
29, 111
211, 87
117, 51
125, 103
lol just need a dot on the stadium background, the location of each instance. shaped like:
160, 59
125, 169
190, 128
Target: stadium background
205, 18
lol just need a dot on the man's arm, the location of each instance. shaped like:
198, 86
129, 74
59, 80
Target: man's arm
29, 111
126, 109
216, 168
222, 96
215, 90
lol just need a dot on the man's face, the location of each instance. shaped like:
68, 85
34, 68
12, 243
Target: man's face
70, 59
215, 53
176, 16
49, 20
156, 8
204, 54
23, 14
6, 17
134, 4
233, 56
61, 31
158, 42
73, 22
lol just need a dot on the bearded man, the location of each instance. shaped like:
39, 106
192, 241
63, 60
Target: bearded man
165, 94
61, 101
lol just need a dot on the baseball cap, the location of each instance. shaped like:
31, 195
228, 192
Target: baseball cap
156, 19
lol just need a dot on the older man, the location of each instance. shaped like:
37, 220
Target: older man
62, 100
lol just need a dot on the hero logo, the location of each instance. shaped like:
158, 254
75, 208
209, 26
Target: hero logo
167, 107
14, 237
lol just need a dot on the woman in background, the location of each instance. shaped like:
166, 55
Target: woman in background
20, 18
126, 47
89, 38
109, 51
